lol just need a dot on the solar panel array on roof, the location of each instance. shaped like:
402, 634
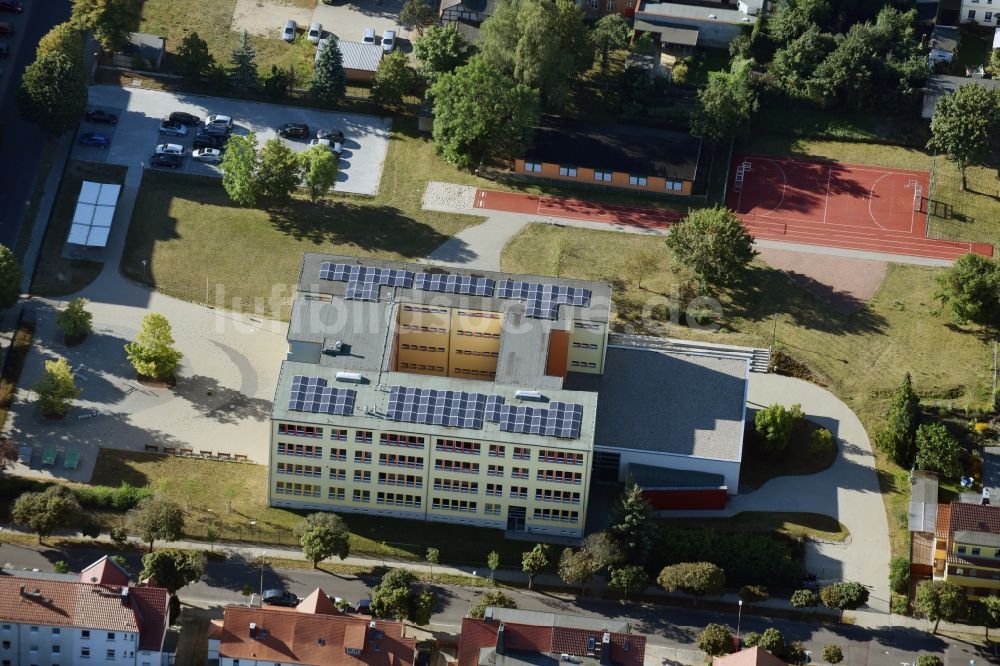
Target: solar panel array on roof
560, 419
493, 405
455, 284
456, 409
311, 394
363, 282
543, 300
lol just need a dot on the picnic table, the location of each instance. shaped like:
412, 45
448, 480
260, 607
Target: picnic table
71, 460
49, 456
24, 454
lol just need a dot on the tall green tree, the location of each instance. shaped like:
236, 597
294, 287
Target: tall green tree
793, 18
938, 450
898, 440
490, 599
970, 288
576, 567
173, 569
110, 21
156, 518
243, 73
277, 170
716, 640
573, 35
152, 354
324, 535
53, 92
329, 82
479, 113
628, 579
963, 124
713, 244
10, 278
793, 64
393, 80
611, 33
632, 524
396, 596
75, 320
193, 57
46, 511
727, 104
239, 166
319, 170
940, 600
988, 613
535, 561
64, 38
695, 578
440, 50
56, 389
417, 14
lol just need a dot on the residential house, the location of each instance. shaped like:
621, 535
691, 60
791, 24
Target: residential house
754, 656
939, 85
943, 43
143, 51
967, 548
466, 15
717, 22
314, 633
983, 12
612, 156
71, 619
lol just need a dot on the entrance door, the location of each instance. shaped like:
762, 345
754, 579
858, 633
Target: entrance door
516, 516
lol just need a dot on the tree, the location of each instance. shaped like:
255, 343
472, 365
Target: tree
804, 599
963, 124
602, 548
971, 289
433, 557
277, 83
243, 74
239, 165
329, 83
751, 594
440, 50
727, 104
61, 567
899, 574
424, 603
319, 170
119, 536
716, 640
152, 354
832, 654
632, 524
75, 321
277, 170
10, 278
988, 613
793, 65
929, 660
491, 599
611, 33
642, 264
56, 389
576, 567
939, 600
479, 113
938, 450
64, 38
627, 579
324, 535
46, 511
53, 92
774, 424
898, 440
156, 518
393, 80
418, 14
791, 19
695, 578
110, 21
173, 569
535, 561
8, 454
772, 641
714, 245
396, 597
844, 596
492, 563
193, 56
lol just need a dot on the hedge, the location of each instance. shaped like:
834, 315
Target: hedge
746, 557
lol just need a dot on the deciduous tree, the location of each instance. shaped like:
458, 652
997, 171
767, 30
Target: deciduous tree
10, 278
832, 654
64, 38
193, 56
173, 569
804, 599
988, 613
152, 354
329, 82
239, 166
319, 170
110, 21
46, 511
396, 596
243, 73
940, 600
628, 579
490, 598
727, 104
393, 80
716, 640
713, 244
440, 50
695, 578
963, 124
576, 567
324, 535
53, 92
938, 450
642, 264
611, 33
844, 596
56, 389
970, 288
156, 518
8, 454
535, 561
277, 170
418, 14
492, 563
75, 321
775, 423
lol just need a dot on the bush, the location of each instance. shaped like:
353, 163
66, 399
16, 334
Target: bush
899, 575
716, 640
774, 425
746, 557
833, 654
795, 653
751, 639
752, 593
122, 498
899, 604
772, 641
844, 596
822, 443
929, 660
679, 73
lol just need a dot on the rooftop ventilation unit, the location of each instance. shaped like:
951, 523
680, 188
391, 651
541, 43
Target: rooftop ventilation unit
353, 377
536, 396
334, 349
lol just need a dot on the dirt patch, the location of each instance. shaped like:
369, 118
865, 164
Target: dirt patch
843, 283
267, 17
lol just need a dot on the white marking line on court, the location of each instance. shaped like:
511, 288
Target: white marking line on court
845, 165
826, 202
871, 196
784, 185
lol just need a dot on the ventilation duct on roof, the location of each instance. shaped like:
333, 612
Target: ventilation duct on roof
353, 377
535, 396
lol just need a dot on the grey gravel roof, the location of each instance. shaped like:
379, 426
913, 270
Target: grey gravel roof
670, 403
657, 11
362, 326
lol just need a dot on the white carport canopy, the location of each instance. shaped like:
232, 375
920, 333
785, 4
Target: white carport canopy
95, 209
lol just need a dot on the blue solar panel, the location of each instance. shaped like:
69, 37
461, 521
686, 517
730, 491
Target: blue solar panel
456, 409
455, 284
311, 394
493, 405
363, 282
542, 301
559, 419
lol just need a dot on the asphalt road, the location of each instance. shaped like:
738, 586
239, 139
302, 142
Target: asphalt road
664, 625
21, 141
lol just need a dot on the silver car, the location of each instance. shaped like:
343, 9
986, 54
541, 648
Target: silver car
170, 149
173, 128
211, 155
388, 41
315, 32
289, 34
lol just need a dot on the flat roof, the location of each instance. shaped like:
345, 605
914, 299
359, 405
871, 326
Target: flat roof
372, 402
643, 151
653, 11
362, 326
670, 403
679, 35
923, 501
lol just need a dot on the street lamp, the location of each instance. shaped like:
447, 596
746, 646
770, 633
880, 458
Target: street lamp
263, 554
739, 618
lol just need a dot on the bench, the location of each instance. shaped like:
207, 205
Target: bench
240, 457
170, 449
49, 456
71, 460
153, 447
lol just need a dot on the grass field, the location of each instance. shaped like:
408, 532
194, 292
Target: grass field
54, 275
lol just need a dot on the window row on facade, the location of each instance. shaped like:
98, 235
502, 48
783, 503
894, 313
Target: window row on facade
602, 176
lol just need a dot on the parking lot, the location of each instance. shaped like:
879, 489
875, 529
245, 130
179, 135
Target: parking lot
139, 111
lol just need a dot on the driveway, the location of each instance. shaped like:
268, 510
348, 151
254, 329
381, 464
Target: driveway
140, 112
348, 20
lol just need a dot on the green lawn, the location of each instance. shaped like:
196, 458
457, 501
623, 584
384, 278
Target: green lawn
707, 60
790, 524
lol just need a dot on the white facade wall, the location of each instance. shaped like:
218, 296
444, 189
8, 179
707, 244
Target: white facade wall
40, 645
730, 469
984, 12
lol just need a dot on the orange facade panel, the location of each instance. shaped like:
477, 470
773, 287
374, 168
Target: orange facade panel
557, 361
626, 181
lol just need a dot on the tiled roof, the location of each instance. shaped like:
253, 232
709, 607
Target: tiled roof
317, 603
291, 636
974, 518
755, 656
943, 518
626, 649
87, 606
104, 571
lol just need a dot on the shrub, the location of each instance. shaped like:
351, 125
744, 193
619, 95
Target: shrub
751, 639
899, 604
833, 654
795, 653
752, 593
774, 425
119, 535
772, 641
61, 567
747, 558
844, 596
122, 498
929, 660
899, 575
694, 578
716, 640
822, 443
679, 72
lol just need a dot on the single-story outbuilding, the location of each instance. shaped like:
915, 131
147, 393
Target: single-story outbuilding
716, 24
672, 39
360, 60
620, 156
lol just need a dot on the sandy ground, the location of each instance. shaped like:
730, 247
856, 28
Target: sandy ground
267, 18
845, 283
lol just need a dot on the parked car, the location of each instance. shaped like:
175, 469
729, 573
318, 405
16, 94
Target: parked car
330, 134
184, 118
11, 6
6, 28
289, 33
279, 598
165, 161
335, 146
320, 142
220, 120
98, 116
294, 130
369, 36
170, 149
214, 130
172, 128
388, 41
212, 155
315, 32
209, 141
95, 139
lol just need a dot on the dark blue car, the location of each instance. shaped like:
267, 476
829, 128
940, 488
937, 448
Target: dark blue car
95, 139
